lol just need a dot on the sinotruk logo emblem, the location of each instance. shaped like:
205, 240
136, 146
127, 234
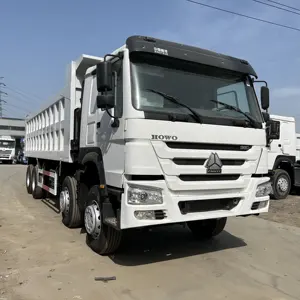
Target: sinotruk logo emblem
214, 164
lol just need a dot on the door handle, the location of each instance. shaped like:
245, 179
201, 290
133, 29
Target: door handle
98, 124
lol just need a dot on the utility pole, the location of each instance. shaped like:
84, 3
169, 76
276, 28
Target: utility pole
1, 100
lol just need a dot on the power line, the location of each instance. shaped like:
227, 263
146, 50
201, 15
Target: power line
19, 108
284, 5
245, 16
24, 93
274, 6
21, 94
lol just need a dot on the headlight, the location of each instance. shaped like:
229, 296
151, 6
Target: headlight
144, 196
263, 189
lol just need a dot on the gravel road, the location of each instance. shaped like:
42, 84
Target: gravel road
41, 259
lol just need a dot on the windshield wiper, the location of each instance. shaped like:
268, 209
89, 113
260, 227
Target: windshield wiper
196, 116
252, 122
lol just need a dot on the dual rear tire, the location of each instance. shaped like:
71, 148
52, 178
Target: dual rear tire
32, 182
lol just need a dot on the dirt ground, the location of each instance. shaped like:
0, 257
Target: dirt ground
42, 259
285, 211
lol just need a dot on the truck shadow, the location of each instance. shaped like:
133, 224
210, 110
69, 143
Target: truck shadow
52, 203
168, 243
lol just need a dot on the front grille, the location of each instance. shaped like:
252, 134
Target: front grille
225, 177
189, 161
5, 152
206, 146
255, 205
160, 214
200, 162
207, 205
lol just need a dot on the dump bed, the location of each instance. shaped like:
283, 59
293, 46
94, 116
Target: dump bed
50, 131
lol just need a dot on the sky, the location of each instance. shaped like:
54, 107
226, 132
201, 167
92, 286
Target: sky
38, 38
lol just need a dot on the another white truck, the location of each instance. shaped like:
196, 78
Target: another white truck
284, 156
7, 149
154, 133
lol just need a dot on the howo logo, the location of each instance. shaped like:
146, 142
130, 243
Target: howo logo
164, 137
214, 164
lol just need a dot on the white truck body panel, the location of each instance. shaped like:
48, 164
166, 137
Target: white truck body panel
49, 132
286, 144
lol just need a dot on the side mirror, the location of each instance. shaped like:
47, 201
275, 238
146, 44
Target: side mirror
264, 97
104, 76
266, 116
105, 101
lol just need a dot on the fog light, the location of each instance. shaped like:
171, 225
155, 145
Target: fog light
262, 204
145, 214
144, 196
263, 190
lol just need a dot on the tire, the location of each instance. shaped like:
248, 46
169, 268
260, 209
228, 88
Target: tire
71, 214
107, 240
29, 179
206, 229
37, 192
281, 184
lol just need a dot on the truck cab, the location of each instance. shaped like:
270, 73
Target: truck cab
173, 145
7, 149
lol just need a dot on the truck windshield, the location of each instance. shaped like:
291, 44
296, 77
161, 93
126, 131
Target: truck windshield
7, 144
200, 87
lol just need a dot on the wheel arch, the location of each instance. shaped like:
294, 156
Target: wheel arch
91, 160
285, 163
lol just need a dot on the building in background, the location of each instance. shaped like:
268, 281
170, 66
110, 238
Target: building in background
12, 127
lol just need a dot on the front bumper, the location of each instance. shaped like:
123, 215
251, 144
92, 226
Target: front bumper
170, 208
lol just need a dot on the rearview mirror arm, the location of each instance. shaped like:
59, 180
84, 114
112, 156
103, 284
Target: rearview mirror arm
116, 121
260, 81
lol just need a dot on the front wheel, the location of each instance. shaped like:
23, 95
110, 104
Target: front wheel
206, 229
71, 214
101, 238
281, 184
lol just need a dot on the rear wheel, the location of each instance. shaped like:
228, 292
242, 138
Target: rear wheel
281, 184
206, 229
29, 179
101, 238
37, 192
71, 214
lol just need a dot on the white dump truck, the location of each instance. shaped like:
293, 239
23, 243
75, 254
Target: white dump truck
154, 133
7, 149
284, 157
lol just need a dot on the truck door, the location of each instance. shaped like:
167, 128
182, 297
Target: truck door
98, 128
